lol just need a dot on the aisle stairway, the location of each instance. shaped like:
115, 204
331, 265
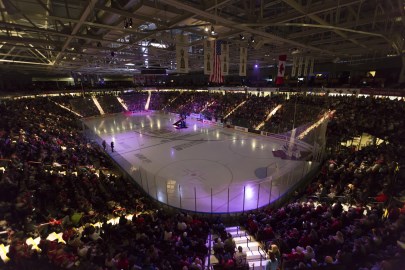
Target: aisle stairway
256, 256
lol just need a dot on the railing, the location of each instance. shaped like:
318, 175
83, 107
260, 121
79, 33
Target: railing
198, 197
207, 264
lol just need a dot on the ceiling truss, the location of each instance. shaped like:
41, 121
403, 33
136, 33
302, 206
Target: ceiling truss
61, 36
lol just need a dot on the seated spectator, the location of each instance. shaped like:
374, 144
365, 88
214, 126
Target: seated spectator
240, 258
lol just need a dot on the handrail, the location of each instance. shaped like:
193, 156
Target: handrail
208, 264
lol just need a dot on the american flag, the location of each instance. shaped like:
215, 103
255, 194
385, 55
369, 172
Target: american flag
216, 75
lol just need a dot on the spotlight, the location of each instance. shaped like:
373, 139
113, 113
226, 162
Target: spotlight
256, 66
130, 22
212, 30
252, 39
242, 37
206, 29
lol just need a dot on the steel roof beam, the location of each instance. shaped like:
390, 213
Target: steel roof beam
234, 25
347, 25
83, 17
297, 6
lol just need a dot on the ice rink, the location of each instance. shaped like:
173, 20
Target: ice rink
204, 167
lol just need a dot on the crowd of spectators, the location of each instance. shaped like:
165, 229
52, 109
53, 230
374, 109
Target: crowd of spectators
135, 101
84, 106
64, 100
54, 180
161, 99
110, 103
380, 117
223, 105
296, 111
198, 102
254, 111
351, 216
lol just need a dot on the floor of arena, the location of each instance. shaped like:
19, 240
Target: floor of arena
202, 168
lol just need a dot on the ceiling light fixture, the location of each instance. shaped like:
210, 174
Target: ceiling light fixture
206, 29
212, 30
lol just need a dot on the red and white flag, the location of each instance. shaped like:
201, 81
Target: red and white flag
281, 69
216, 76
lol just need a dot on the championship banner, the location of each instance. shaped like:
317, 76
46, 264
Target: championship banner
294, 66
311, 66
281, 69
182, 53
208, 48
242, 61
300, 62
306, 65
225, 59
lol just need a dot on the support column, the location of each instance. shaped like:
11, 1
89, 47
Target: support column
401, 77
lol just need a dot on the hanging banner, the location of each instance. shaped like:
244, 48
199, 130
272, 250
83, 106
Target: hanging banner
294, 66
242, 61
281, 69
182, 53
216, 76
208, 45
300, 62
311, 67
307, 59
225, 59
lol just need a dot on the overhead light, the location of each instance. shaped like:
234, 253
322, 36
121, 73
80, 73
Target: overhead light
252, 39
158, 45
212, 30
295, 51
242, 37
130, 64
206, 29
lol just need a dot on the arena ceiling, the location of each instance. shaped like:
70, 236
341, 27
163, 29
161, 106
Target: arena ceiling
123, 36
